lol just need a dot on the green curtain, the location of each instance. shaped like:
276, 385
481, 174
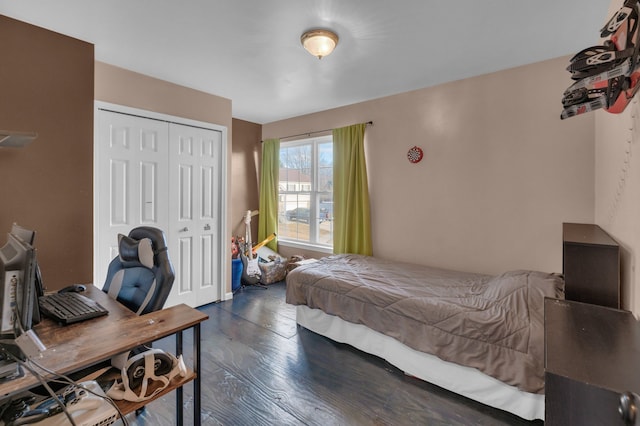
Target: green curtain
351, 211
268, 217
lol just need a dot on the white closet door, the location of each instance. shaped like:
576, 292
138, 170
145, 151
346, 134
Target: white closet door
195, 213
131, 177
168, 172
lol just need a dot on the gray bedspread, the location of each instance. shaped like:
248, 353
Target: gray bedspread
492, 323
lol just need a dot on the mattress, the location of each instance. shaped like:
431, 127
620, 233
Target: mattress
490, 323
465, 381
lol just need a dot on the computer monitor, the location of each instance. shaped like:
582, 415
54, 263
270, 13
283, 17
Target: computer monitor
29, 236
17, 287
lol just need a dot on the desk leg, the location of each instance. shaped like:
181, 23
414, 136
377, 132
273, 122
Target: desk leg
179, 397
196, 382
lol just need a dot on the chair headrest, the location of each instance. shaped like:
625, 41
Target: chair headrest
154, 234
135, 252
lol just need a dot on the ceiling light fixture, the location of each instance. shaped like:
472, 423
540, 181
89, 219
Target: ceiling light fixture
319, 42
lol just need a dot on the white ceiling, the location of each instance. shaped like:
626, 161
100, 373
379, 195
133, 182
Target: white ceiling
249, 50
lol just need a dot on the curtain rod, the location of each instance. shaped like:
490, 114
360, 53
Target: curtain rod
368, 123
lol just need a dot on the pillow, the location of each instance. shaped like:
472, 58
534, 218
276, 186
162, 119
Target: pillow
138, 251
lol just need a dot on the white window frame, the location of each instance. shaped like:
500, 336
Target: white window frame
314, 196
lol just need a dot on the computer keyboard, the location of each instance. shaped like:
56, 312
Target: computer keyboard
68, 308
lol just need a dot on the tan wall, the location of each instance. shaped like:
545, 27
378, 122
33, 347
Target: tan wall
46, 85
501, 170
124, 87
617, 188
617, 183
245, 161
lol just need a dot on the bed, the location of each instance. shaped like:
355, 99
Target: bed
478, 335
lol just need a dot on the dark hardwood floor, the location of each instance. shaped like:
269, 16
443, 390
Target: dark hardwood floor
260, 368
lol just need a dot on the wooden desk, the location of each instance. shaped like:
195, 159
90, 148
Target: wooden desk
77, 346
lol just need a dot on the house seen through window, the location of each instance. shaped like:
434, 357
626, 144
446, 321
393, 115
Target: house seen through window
305, 192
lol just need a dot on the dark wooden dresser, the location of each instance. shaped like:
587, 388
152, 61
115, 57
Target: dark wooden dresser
592, 356
592, 348
590, 265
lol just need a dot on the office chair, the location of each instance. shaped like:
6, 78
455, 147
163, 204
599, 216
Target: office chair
141, 276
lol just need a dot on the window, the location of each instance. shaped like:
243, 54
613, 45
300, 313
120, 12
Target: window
305, 192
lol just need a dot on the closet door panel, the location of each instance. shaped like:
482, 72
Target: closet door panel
130, 168
148, 192
184, 266
119, 192
185, 192
194, 158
